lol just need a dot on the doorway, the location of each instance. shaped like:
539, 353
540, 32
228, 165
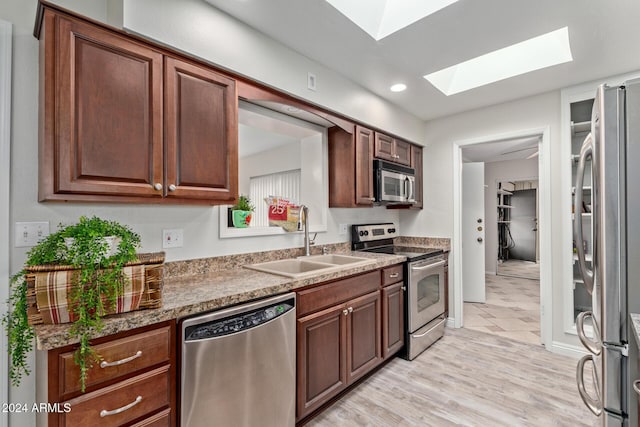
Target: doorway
463, 151
518, 232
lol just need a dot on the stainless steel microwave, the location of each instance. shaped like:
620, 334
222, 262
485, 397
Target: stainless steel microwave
393, 183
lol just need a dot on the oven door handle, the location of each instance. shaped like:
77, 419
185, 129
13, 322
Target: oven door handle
436, 264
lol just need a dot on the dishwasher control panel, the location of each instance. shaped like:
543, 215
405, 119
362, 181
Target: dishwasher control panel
238, 323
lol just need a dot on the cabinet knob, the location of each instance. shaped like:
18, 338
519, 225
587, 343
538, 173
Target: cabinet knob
404, 288
172, 187
345, 311
350, 309
157, 186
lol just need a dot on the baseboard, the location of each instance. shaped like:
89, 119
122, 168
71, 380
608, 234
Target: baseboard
450, 323
567, 350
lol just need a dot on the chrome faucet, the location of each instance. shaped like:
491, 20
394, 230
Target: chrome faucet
303, 221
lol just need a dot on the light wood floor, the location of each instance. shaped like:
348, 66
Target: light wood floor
468, 378
519, 268
512, 309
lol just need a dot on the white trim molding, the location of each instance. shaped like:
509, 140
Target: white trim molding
546, 261
6, 34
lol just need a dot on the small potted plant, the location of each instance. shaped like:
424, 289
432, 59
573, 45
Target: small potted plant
96, 250
241, 212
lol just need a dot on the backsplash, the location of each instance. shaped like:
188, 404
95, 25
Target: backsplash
229, 262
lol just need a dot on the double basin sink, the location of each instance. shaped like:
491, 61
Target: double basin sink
309, 265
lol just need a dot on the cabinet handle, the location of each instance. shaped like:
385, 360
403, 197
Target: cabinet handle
104, 364
404, 288
172, 187
105, 413
350, 309
157, 186
394, 275
345, 311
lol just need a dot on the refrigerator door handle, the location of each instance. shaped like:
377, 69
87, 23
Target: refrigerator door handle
595, 345
595, 406
636, 387
587, 275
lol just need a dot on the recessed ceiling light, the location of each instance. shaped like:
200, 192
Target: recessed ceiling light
398, 87
379, 18
539, 52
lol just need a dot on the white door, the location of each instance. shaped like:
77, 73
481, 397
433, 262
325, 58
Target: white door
473, 227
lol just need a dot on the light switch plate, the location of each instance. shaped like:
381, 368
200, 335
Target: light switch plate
30, 233
173, 238
342, 229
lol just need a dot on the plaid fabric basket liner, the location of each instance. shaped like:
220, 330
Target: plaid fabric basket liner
53, 294
49, 287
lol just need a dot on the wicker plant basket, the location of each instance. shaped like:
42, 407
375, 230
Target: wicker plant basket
151, 267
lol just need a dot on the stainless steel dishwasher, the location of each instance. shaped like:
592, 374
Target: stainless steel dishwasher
238, 365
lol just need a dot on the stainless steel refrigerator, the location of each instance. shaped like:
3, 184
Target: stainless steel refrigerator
612, 151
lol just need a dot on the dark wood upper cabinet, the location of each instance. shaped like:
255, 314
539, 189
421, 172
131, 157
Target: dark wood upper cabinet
351, 168
119, 125
392, 149
416, 164
201, 132
102, 131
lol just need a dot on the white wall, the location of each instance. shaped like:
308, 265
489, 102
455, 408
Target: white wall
511, 170
239, 47
279, 159
216, 37
436, 219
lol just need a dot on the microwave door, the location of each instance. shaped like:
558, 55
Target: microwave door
393, 185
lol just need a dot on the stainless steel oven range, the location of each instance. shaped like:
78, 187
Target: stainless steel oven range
424, 283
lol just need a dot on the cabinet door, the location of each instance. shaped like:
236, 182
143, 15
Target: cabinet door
364, 166
384, 147
364, 350
201, 133
102, 132
321, 364
392, 319
416, 163
402, 152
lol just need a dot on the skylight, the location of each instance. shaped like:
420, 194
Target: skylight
379, 18
530, 55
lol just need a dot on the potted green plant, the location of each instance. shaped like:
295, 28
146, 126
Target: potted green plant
94, 288
241, 212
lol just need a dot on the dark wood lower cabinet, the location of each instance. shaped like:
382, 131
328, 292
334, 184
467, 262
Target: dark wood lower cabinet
364, 350
345, 329
392, 319
321, 364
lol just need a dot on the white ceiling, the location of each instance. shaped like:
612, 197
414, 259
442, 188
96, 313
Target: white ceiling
509, 149
604, 37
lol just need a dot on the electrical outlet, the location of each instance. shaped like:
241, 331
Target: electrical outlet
311, 81
30, 233
342, 229
173, 238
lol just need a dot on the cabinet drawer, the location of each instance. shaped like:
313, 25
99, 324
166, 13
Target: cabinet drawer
161, 419
122, 402
119, 357
324, 296
392, 274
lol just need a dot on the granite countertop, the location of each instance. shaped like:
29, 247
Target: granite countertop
188, 295
635, 323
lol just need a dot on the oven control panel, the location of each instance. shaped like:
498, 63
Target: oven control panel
371, 232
